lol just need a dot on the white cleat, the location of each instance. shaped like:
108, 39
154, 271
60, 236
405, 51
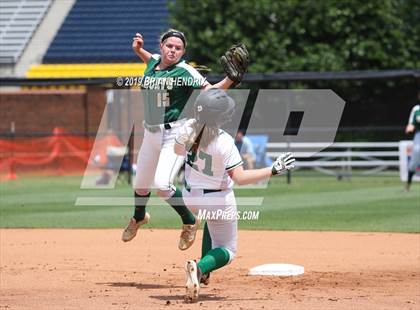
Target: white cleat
131, 230
193, 284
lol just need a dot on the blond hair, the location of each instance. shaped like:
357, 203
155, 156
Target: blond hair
201, 136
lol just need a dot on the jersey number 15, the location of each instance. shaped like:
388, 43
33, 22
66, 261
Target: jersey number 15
163, 99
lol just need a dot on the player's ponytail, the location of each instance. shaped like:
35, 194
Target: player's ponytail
202, 136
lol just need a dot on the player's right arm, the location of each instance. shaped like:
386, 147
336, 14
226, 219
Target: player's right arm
137, 45
184, 138
179, 149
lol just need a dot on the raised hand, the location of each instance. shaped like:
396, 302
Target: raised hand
283, 163
137, 42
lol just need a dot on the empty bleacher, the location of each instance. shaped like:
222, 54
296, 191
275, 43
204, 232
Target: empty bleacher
18, 21
101, 31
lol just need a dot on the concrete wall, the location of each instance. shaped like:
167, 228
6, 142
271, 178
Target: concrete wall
38, 112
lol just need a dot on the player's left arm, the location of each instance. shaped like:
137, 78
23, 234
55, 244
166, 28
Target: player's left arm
223, 84
242, 177
410, 126
409, 129
283, 163
203, 84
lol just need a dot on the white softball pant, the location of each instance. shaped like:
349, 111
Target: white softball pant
415, 155
224, 229
157, 163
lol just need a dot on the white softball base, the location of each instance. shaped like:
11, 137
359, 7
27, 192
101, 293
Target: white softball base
281, 270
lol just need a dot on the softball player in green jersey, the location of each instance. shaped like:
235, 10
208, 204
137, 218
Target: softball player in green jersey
413, 126
168, 82
213, 165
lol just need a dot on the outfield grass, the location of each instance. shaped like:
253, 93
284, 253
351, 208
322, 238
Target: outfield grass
309, 203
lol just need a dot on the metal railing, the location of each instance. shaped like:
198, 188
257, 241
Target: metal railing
340, 158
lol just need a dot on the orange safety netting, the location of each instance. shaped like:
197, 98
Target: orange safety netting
59, 154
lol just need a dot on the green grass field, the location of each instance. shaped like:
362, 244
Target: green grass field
311, 202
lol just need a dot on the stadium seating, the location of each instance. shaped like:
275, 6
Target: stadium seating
18, 21
101, 31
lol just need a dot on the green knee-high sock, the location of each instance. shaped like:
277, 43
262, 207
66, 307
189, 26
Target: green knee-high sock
178, 205
206, 244
215, 259
140, 206
410, 176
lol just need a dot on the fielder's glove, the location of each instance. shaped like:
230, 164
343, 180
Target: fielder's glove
283, 163
235, 62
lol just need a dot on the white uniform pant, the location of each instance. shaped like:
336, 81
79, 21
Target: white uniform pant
224, 229
157, 163
415, 155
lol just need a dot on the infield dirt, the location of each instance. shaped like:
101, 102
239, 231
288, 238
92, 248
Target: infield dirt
93, 269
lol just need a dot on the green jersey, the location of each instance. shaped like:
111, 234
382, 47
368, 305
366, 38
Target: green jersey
168, 90
414, 118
